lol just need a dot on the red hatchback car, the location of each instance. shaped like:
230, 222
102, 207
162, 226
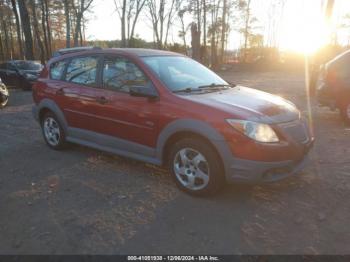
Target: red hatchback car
166, 109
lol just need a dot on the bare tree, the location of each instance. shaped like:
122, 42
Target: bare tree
196, 6
82, 7
183, 31
128, 12
18, 28
43, 25
161, 14
67, 6
247, 23
246, 28
46, 14
223, 30
36, 31
26, 25
204, 45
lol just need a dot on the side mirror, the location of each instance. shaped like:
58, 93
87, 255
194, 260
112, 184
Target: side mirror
144, 91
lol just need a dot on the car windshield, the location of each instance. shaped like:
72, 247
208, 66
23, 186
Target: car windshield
28, 65
180, 73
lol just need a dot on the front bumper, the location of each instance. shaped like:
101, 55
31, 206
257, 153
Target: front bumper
241, 170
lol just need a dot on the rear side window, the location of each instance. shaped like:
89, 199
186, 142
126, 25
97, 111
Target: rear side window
120, 73
56, 70
82, 70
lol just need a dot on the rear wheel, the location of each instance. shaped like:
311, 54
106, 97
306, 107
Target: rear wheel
52, 131
196, 167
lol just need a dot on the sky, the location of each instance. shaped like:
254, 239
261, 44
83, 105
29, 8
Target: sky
298, 28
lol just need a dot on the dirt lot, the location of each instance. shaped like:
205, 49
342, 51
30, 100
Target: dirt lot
85, 201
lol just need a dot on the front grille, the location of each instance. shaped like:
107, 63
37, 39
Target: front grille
296, 130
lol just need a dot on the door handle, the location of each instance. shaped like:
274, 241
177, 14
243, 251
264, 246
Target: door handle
102, 100
60, 91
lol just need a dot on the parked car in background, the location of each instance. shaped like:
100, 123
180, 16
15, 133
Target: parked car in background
334, 87
4, 94
20, 73
167, 109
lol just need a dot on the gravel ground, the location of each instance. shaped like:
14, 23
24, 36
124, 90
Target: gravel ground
82, 201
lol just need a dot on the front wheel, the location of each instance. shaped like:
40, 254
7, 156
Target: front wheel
52, 131
196, 167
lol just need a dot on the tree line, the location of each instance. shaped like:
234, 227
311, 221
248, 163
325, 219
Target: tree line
33, 29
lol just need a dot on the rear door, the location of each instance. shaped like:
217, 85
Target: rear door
77, 91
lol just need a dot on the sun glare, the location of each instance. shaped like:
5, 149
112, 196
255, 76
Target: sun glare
304, 29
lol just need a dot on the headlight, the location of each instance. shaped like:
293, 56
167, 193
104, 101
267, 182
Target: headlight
257, 131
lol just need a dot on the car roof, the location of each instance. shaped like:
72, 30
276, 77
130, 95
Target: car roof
139, 52
145, 52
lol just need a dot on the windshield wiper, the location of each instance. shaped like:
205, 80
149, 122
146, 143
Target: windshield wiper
185, 90
213, 85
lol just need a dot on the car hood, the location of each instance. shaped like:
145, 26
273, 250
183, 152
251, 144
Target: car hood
250, 104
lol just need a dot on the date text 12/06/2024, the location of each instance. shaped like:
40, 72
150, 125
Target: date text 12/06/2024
173, 258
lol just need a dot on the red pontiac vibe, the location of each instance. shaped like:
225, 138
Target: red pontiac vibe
167, 109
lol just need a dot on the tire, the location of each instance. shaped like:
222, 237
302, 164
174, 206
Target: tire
345, 112
196, 167
5, 98
4, 103
53, 132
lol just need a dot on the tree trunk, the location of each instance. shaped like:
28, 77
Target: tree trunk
246, 31
199, 17
81, 34
66, 12
223, 32
12, 44
43, 25
170, 16
77, 29
49, 37
18, 28
37, 33
6, 39
26, 30
123, 31
204, 50
183, 31
195, 42
2, 57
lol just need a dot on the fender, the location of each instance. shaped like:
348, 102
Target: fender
196, 126
52, 106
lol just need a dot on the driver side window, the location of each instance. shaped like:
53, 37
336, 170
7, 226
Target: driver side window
120, 73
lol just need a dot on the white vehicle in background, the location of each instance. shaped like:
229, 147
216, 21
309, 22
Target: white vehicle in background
4, 94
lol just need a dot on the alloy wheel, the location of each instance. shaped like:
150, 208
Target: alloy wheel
191, 169
52, 131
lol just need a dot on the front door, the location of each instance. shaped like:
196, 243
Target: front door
118, 114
